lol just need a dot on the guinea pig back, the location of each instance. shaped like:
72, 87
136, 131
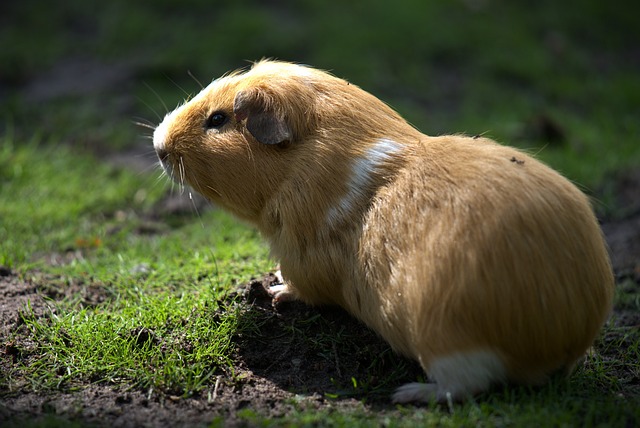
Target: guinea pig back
473, 258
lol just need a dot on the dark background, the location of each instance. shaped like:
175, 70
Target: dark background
559, 78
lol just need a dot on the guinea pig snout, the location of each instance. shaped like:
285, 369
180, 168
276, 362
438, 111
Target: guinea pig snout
160, 139
161, 150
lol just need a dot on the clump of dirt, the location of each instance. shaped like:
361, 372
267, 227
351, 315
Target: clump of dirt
16, 295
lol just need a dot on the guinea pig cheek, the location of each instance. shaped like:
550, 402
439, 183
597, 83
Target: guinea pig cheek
233, 172
215, 165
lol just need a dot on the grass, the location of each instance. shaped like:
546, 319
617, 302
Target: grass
186, 339
153, 284
519, 408
165, 319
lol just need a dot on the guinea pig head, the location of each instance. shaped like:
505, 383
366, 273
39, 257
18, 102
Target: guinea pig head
235, 141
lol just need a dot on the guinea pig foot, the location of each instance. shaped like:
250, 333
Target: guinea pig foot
416, 392
457, 377
281, 293
277, 288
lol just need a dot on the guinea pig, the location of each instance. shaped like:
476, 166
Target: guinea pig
474, 258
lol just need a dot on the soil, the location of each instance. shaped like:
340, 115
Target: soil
276, 370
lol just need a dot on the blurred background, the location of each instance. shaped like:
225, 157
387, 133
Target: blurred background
561, 79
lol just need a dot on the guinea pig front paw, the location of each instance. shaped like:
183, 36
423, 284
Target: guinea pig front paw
282, 293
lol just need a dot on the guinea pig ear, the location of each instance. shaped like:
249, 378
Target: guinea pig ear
263, 120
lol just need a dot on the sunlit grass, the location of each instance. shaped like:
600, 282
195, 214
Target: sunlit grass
165, 321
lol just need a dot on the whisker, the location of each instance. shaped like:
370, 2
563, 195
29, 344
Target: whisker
150, 164
182, 171
162, 176
146, 124
155, 184
182, 174
166, 109
195, 79
144, 120
187, 94
540, 150
193, 202
214, 190
195, 208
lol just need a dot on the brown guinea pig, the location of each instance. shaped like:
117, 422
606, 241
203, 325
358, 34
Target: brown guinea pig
473, 258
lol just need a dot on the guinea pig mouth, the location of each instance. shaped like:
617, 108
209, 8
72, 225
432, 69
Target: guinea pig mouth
168, 166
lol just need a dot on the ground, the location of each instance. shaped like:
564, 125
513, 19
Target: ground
276, 367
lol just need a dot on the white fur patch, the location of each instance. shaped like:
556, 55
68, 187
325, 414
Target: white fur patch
361, 170
383, 150
455, 377
279, 276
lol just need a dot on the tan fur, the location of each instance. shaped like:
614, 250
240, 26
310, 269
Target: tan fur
444, 245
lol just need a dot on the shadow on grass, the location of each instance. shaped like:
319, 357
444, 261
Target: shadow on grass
325, 352
318, 350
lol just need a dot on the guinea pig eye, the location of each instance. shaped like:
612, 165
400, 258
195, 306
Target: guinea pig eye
215, 120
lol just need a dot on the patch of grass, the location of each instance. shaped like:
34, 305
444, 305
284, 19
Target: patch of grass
627, 296
154, 312
161, 342
166, 324
59, 200
54, 197
561, 403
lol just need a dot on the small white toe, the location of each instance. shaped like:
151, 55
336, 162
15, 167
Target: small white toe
279, 277
282, 293
278, 288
